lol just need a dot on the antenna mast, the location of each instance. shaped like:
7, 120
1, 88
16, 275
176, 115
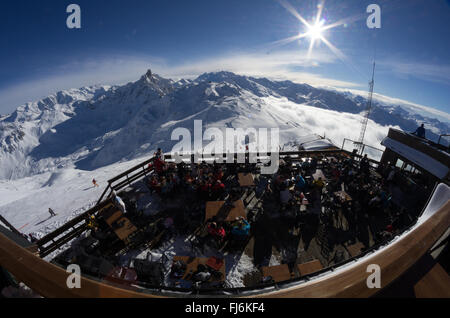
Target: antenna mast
365, 119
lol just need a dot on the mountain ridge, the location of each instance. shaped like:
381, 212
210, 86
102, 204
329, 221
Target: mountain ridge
95, 126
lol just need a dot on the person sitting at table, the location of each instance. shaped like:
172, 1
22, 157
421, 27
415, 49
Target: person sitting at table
178, 269
240, 229
278, 180
218, 190
285, 194
319, 184
313, 165
306, 165
204, 189
218, 174
202, 274
159, 165
217, 232
336, 174
300, 183
385, 198
155, 185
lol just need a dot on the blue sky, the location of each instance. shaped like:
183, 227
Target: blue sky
119, 40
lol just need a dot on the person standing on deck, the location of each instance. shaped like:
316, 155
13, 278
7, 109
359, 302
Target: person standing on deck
158, 153
420, 131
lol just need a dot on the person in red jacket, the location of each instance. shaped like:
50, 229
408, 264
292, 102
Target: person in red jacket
203, 189
217, 232
218, 189
159, 165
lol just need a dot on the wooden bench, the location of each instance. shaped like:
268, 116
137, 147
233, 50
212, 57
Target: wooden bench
355, 249
309, 267
279, 273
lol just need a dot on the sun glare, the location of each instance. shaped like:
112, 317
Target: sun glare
315, 31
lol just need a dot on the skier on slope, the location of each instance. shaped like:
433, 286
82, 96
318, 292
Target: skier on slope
52, 213
94, 182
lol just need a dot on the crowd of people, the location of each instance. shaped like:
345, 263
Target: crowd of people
201, 181
350, 187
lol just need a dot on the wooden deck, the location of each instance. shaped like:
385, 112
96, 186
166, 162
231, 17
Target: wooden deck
50, 280
435, 284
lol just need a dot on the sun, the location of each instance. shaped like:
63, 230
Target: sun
315, 31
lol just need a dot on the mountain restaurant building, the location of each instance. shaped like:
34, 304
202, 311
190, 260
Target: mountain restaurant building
416, 155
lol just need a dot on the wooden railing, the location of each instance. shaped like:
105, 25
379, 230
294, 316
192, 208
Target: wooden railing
68, 231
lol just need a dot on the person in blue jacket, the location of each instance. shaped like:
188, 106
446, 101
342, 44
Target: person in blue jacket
300, 183
241, 229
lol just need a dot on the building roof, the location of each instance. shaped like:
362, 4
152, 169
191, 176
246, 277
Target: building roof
419, 158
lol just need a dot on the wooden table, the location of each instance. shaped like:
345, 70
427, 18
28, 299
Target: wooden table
319, 174
355, 249
309, 267
126, 229
192, 264
223, 213
246, 179
116, 215
279, 273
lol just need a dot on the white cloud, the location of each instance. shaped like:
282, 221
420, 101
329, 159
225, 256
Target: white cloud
406, 105
335, 125
423, 71
277, 66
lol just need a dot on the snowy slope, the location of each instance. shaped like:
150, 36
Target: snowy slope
69, 192
93, 127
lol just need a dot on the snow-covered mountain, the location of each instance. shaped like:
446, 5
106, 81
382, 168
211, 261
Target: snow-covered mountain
93, 127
